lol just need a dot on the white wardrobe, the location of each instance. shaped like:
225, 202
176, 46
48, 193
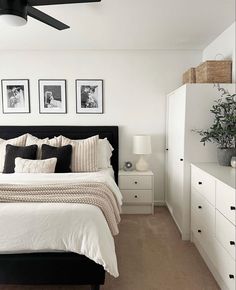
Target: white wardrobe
188, 108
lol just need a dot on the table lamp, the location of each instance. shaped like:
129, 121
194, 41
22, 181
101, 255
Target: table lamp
142, 146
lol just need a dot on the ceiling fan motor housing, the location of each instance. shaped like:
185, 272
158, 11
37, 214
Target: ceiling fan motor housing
14, 7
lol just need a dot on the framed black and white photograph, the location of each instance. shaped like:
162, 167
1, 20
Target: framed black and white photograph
15, 96
52, 97
89, 96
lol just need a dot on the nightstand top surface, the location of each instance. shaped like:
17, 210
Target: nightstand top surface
135, 173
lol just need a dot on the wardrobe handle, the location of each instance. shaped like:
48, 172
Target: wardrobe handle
199, 231
200, 183
199, 206
231, 276
232, 243
232, 207
167, 149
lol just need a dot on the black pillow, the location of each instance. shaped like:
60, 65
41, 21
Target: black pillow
63, 155
26, 152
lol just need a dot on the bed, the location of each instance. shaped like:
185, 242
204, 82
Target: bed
56, 267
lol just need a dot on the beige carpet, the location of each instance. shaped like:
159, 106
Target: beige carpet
151, 256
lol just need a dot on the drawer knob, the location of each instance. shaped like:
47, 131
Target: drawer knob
199, 206
136, 196
231, 276
136, 182
232, 207
181, 159
232, 243
199, 231
200, 183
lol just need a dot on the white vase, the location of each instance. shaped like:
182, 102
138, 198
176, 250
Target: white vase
233, 161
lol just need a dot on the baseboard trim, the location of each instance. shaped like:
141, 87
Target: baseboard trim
184, 235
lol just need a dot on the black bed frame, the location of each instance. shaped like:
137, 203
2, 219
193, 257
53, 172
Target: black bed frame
56, 268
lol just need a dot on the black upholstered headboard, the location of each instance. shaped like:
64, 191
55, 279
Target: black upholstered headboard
72, 132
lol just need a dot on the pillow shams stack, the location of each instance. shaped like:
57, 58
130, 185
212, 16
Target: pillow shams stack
86, 155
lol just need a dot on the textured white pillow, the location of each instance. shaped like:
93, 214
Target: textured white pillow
84, 154
31, 140
35, 166
104, 153
19, 141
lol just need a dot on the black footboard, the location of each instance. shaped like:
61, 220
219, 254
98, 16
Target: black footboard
50, 268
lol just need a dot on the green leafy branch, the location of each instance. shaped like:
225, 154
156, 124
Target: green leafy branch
223, 130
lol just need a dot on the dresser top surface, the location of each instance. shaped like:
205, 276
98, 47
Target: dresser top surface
226, 174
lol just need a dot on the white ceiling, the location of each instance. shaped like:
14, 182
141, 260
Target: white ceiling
126, 24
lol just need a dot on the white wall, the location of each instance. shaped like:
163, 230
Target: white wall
224, 44
135, 86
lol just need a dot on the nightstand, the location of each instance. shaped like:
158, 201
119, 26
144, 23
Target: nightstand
137, 189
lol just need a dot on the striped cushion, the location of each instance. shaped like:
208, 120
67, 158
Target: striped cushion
84, 154
19, 141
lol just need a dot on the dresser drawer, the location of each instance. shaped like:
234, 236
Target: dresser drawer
135, 182
204, 211
225, 233
137, 196
225, 265
204, 183
222, 261
197, 228
225, 200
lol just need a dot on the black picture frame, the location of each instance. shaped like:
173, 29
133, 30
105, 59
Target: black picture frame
6, 109
54, 109
99, 83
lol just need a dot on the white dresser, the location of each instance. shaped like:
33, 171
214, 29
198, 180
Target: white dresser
187, 108
137, 189
213, 219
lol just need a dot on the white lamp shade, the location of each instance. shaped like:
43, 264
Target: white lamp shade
142, 144
13, 20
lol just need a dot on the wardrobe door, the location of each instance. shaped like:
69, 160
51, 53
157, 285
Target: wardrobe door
175, 154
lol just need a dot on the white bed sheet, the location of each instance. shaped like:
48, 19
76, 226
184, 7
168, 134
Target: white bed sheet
49, 227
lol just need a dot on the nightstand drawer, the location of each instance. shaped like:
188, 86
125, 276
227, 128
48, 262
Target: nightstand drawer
137, 196
135, 182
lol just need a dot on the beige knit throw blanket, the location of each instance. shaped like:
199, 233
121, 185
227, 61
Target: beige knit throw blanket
94, 193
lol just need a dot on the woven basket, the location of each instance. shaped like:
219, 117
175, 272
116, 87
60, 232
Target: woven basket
214, 71
189, 76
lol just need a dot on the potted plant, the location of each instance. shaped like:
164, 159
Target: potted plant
223, 130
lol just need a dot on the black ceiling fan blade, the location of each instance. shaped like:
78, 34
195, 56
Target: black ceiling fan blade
58, 2
41, 16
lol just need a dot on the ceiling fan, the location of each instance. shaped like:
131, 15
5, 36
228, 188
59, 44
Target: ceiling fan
15, 12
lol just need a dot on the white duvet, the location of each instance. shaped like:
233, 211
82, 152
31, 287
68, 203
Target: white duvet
41, 227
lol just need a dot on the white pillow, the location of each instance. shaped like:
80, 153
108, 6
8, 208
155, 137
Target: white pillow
19, 141
32, 140
104, 153
35, 166
84, 153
